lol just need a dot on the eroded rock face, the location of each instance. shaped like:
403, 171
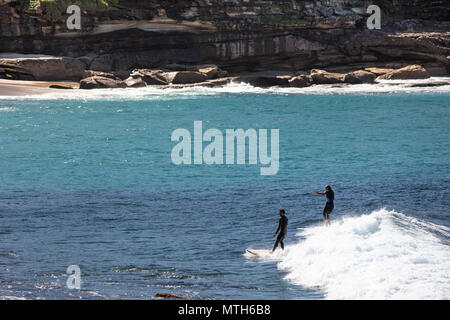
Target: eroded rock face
409, 72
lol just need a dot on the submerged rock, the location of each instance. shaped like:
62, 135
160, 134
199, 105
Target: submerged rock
168, 296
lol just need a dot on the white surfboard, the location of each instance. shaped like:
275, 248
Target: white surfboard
258, 252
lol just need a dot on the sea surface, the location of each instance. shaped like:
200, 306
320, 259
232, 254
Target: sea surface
87, 179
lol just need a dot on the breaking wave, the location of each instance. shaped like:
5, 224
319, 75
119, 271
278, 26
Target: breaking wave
155, 93
381, 255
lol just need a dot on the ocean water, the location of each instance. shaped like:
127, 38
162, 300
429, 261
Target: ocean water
87, 179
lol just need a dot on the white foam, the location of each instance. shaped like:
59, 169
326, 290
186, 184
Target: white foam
158, 93
264, 255
382, 255
7, 109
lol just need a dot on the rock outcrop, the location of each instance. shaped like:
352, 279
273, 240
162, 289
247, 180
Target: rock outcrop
179, 79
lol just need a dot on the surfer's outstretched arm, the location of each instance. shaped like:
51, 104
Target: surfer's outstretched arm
320, 193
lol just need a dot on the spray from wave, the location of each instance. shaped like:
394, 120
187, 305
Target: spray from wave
382, 255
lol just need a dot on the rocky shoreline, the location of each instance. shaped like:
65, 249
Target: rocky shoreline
183, 76
212, 76
212, 43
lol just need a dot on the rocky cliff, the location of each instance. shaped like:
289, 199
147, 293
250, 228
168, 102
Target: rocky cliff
237, 35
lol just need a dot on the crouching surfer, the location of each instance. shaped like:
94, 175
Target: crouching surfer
281, 230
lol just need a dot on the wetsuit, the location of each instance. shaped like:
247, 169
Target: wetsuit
329, 206
282, 228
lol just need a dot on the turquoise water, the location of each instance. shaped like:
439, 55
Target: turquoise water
90, 182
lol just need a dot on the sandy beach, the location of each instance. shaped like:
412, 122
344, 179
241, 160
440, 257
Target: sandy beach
22, 88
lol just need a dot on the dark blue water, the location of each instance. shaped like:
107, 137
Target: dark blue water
91, 183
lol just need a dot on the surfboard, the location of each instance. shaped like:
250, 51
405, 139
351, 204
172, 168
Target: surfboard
258, 252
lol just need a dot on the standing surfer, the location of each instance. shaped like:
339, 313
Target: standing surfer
329, 206
282, 228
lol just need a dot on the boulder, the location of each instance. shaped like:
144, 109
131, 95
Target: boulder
98, 82
360, 76
93, 73
137, 82
211, 72
324, 77
300, 81
186, 77
151, 77
410, 72
47, 68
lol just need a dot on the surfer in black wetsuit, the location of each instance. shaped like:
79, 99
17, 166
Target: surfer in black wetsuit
282, 228
329, 206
